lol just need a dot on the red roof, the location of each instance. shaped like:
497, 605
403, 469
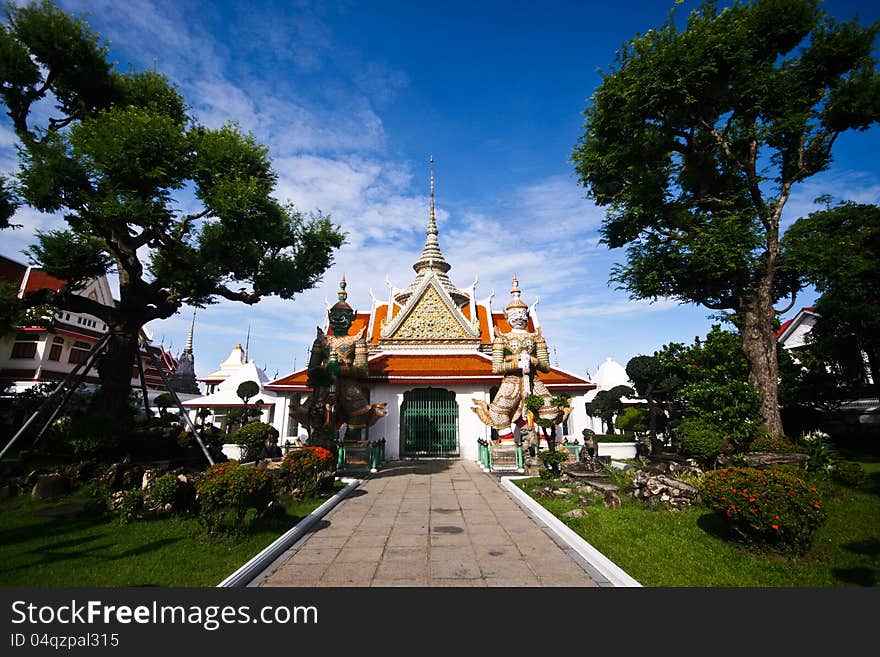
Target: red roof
441, 369
11, 271
788, 322
39, 280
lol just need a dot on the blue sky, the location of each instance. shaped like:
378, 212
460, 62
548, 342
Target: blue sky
352, 97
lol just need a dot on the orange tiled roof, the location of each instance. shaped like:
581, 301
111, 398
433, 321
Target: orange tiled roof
446, 368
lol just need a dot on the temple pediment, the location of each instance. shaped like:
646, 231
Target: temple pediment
430, 316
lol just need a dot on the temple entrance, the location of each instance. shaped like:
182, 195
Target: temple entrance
429, 423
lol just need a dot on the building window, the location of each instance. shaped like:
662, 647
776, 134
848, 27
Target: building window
25, 345
78, 351
55, 349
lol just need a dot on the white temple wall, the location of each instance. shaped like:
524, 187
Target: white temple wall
470, 428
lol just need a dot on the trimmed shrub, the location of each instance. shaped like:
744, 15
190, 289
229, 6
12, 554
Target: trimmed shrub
553, 460
307, 468
166, 490
226, 491
770, 507
848, 474
252, 437
768, 443
700, 440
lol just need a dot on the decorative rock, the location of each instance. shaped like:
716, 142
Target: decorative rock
612, 501
577, 513
761, 460
148, 479
585, 501
660, 489
49, 486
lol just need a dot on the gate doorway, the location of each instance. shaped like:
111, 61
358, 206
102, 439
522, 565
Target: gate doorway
429, 423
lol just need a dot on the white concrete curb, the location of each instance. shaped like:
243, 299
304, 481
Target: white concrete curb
244, 575
603, 565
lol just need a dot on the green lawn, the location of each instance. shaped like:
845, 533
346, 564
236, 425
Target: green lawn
51, 544
686, 548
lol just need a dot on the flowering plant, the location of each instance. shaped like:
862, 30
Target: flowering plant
305, 468
226, 491
767, 443
770, 507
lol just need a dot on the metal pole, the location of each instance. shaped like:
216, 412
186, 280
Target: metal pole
177, 401
65, 382
140, 362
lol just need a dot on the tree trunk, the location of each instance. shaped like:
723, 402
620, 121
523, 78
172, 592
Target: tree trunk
115, 369
759, 345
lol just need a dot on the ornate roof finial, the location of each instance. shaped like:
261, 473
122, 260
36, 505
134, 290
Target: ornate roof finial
515, 292
432, 258
247, 344
342, 294
188, 348
432, 223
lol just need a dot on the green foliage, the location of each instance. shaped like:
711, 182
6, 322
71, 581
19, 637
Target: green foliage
553, 460
779, 445
533, 402
848, 474
633, 419
694, 140
227, 491
607, 403
163, 402
700, 440
253, 438
307, 468
131, 505
770, 507
166, 489
838, 251
94, 435
247, 390
817, 445
72, 257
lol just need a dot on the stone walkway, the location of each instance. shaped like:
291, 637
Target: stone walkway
426, 523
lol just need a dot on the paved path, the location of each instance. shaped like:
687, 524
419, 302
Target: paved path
426, 523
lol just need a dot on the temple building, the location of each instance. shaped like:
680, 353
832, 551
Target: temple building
425, 364
46, 350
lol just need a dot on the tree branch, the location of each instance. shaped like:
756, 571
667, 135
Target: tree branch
188, 219
249, 298
789, 306
68, 300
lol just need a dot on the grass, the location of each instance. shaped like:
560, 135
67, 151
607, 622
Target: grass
688, 548
57, 543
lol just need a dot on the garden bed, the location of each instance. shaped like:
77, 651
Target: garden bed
687, 548
60, 543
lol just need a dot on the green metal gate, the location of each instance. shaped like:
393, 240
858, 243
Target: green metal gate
429, 423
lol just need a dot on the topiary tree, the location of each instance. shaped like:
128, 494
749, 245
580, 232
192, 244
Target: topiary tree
117, 155
607, 403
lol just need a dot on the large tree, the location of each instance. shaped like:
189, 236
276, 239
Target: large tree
838, 251
695, 140
119, 156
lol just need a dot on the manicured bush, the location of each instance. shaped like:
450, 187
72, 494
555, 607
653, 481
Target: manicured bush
307, 468
553, 460
848, 474
166, 490
226, 491
771, 507
700, 440
779, 445
252, 437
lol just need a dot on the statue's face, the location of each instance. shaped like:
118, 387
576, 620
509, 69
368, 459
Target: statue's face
340, 321
518, 318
